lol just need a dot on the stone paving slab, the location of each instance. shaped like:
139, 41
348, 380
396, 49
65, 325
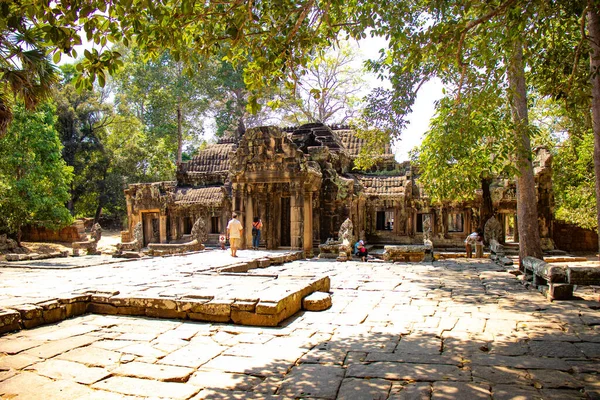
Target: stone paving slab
407, 339
196, 291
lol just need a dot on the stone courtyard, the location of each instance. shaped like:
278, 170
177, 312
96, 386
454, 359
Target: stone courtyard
451, 329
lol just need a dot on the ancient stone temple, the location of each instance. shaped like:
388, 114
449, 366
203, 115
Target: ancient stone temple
302, 183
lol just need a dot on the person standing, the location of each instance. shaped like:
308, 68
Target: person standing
234, 232
256, 229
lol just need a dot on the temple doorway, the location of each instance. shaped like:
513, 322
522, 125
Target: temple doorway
150, 221
284, 229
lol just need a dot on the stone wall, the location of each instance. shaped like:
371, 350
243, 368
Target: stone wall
72, 233
573, 238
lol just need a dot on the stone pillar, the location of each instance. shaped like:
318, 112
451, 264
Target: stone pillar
174, 227
248, 217
296, 204
162, 228
308, 225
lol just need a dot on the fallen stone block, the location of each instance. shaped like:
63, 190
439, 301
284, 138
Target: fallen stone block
316, 301
560, 291
10, 320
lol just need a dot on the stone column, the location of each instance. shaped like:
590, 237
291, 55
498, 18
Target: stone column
162, 228
174, 227
296, 204
308, 225
249, 215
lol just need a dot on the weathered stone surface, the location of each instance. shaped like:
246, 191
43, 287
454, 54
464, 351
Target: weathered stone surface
147, 388
224, 380
29, 311
555, 349
28, 385
417, 372
18, 361
55, 347
410, 391
317, 301
192, 356
579, 275
92, 356
159, 372
9, 321
460, 390
408, 253
375, 389
73, 371
313, 380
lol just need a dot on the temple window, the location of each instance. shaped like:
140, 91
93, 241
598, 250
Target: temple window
385, 220
214, 225
456, 222
424, 222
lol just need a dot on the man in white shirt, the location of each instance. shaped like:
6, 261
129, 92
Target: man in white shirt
234, 232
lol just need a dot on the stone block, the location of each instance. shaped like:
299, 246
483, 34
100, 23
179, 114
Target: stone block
138, 311
55, 314
221, 308
277, 260
10, 320
74, 309
29, 311
263, 262
102, 308
253, 319
75, 298
583, 275
49, 304
560, 291
191, 305
101, 298
208, 317
165, 313
317, 301
32, 323
249, 306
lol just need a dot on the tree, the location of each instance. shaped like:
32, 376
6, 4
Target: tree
26, 73
274, 36
34, 177
465, 44
169, 103
326, 91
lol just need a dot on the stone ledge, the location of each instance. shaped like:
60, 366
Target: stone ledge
270, 307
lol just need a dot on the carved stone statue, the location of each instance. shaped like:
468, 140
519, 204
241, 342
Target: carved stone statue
345, 234
137, 242
199, 231
492, 230
91, 245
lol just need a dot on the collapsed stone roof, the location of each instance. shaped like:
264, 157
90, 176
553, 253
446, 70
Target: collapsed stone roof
207, 196
210, 166
384, 186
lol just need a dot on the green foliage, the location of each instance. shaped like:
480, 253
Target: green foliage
34, 178
466, 143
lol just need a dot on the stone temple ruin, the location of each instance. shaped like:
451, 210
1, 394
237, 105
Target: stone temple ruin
303, 184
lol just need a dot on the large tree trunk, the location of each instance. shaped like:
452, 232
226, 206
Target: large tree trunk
594, 39
179, 134
487, 208
529, 235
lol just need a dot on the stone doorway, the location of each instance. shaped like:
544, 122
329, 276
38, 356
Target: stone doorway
510, 228
284, 229
151, 225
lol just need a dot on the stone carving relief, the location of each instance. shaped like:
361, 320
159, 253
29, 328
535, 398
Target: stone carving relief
199, 231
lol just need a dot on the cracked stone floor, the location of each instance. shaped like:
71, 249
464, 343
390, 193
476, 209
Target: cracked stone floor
454, 329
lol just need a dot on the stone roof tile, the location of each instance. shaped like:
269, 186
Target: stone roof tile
208, 196
383, 185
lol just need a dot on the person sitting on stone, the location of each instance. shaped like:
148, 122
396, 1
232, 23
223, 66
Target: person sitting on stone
361, 251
